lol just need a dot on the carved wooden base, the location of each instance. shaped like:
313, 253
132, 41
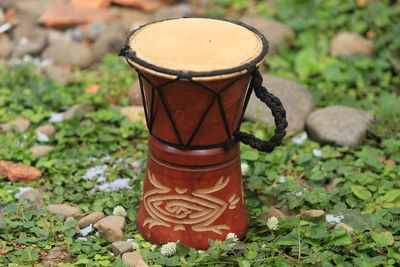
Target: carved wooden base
192, 204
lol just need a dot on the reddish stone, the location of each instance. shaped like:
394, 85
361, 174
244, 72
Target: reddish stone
63, 16
19, 172
91, 3
93, 88
147, 5
9, 15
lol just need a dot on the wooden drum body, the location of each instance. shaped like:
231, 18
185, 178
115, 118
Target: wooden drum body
194, 75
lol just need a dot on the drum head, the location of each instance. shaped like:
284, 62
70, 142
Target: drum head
197, 47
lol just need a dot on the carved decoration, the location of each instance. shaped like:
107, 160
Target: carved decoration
198, 210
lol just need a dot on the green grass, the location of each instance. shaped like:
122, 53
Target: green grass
364, 184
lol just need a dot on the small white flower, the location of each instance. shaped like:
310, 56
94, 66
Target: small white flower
153, 247
299, 194
95, 171
134, 244
245, 167
263, 245
332, 218
56, 117
85, 231
41, 137
200, 251
282, 179
97, 234
119, 211
168, 249
81, 239
317, 153
232, 236
272, 223
116, 185
299, 139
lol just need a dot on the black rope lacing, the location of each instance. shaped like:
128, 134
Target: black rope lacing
278, 112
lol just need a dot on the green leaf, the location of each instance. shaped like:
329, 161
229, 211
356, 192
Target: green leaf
181, 249
244, 263
361, 192
250, 155
391, 195
383, 239
250, 254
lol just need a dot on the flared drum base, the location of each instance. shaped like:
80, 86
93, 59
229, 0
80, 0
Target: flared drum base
192, 204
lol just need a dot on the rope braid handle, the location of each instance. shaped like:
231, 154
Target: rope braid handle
278, 112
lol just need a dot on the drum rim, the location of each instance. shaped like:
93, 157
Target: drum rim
130, 55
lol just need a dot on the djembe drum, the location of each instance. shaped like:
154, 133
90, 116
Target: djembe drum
196, 77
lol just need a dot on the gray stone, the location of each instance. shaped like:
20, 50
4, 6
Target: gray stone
74, 54
2, 16
32, 44
109, 231
273, 212
117, 221
312, 213
338, 125
91, 218
109, 42
6, 47
296, 100
78, 111
347, 43
35, 8
120, 247
276, 32
57, 73
132, 18
63, 209
134, 260
93, 30
134, 94
173, 11
47, 129
41, 151
21, 123
346, 227
35, 198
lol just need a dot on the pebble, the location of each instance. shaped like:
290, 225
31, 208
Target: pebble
74, 54
109, 231
60, 74
173, 11
21, 123
348, 228
120, 247
63, 209
296, 100
117, 221
47, 129
338, 125
134, 259
31, 44
78, 111
347, 43
92, 218
6, 47
273, 212
312, 213
34, 196
134, 113
41, 151
135, 95
276, 32
19, 172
